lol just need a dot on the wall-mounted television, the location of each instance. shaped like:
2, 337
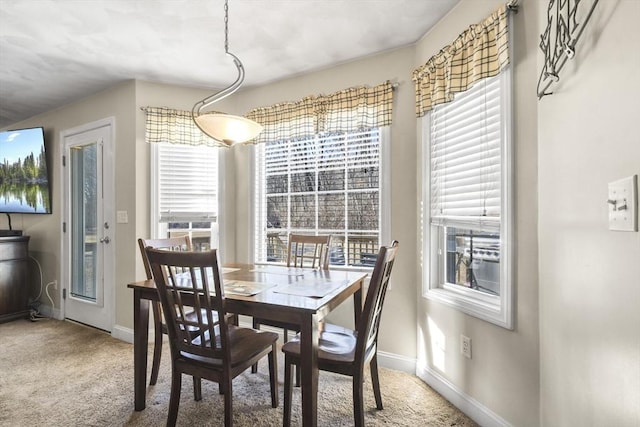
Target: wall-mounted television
25, 187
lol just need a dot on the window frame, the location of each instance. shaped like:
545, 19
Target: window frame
160, 229
494, 309
384, 192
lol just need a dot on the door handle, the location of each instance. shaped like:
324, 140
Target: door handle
105, 239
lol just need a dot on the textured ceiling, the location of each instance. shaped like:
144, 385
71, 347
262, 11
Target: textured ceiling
53, 52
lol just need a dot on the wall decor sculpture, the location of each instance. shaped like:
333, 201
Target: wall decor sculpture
558, 42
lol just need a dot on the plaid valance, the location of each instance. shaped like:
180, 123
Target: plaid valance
175, 127
348, 110
479, 52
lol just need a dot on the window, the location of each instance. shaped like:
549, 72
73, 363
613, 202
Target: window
185, 193
467, 193
324, 184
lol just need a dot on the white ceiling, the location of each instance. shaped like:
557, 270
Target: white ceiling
53, 52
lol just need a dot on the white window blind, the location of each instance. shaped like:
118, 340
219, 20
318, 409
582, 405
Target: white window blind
465, 161
188, 183
326, 184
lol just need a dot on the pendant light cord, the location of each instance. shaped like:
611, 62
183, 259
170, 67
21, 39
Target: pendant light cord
225, 129
226, 26
235, 85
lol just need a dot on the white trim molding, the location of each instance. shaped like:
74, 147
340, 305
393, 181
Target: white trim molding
458, 398
123, 334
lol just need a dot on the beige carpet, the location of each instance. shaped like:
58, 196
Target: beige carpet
55, 373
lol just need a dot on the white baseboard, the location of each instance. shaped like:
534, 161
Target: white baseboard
471, 407
122, 333
396, 362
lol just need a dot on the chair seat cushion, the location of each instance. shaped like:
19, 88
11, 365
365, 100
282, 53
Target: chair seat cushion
335, 344
244, 343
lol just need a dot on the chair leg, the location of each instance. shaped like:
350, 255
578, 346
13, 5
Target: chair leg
254, 367
174, 400
297, 368
375, 380
157, 346
273, 375
228, 400
286, 416
197, 389
358, 404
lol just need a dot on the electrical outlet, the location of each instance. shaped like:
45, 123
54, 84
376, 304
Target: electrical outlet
465, 346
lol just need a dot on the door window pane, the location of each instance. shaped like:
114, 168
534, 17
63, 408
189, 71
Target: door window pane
84, 232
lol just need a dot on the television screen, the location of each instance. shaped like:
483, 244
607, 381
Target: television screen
24, 176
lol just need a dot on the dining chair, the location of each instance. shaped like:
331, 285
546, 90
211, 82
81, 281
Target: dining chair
345, 351
182, 243
303, 251
191, 282
308, 251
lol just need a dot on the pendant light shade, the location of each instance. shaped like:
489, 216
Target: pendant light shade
226, 129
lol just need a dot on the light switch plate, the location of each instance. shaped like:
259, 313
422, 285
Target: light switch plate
122, 217
623, 204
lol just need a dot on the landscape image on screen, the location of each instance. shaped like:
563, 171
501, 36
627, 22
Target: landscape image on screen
24, 184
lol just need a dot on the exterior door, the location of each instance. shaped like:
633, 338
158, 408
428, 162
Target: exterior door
88, 225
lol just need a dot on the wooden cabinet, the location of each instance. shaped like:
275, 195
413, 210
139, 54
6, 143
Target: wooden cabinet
14, 274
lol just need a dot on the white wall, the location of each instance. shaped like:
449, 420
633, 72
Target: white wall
398, 328
590, 276
500, 383
46, 230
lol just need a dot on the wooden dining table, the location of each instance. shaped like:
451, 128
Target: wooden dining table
293, 295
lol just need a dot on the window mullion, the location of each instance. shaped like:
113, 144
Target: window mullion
347, 184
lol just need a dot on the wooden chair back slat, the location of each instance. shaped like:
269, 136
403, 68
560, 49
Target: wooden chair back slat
369, 323
308, 251
182, 243
190, 282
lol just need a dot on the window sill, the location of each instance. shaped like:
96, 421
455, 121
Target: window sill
485, 307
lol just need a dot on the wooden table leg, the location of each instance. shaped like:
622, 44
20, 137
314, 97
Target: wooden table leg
357, 305
309, 366
140, 342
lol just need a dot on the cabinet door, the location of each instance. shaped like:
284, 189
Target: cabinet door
14, 289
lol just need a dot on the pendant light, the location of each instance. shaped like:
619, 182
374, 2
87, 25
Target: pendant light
226, 129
